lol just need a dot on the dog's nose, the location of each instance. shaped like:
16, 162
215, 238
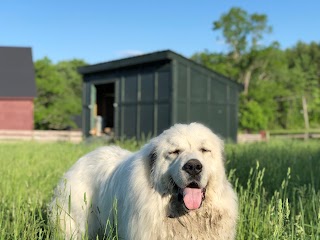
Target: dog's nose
193, 167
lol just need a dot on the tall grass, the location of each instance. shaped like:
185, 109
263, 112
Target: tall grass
278, 189
277, 184
28, 173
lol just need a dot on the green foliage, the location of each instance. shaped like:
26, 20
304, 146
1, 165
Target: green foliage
304, 63
59, 90
274, 80
217, 62
68, 70
241, 30
252, 117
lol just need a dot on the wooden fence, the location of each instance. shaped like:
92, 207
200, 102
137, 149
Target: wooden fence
295, 134
249, 138
76, 136
41, 135
280, 134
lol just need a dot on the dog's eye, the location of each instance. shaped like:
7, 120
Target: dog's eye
175, 152
204, 150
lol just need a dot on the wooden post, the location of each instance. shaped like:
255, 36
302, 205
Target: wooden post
305, 116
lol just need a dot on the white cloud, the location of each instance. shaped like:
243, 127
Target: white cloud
129, 53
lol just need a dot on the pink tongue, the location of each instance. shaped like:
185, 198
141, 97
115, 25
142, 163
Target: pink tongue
192, 198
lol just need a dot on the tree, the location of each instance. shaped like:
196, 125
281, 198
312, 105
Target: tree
68, 70
275, 81
217, 62
252, 117
242, 31
268, 85
59, 94
304, 66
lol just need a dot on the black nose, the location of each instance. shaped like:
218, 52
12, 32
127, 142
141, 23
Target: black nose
193, 167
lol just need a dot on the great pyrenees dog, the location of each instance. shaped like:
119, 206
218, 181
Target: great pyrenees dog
175, 187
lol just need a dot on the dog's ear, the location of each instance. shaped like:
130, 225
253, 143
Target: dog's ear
152, 157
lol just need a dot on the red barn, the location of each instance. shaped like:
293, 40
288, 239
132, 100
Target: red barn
17, 88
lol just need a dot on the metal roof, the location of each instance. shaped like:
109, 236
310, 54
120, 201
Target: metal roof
148, 58
17, 77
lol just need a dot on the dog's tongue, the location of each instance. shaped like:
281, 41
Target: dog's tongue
192, 198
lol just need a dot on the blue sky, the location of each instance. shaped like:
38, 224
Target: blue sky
98, 31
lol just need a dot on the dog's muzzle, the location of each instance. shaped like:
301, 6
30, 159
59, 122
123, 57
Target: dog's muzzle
192, 195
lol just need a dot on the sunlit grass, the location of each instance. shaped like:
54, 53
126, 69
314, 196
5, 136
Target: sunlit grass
277, 185
278, 188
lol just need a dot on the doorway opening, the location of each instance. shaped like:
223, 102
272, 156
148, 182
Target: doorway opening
105, 106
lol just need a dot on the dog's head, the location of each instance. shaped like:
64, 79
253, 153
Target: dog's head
185, 160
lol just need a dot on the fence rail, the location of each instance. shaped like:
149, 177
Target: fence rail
76, 136
279, 134
41, 135
294, 134
249, 138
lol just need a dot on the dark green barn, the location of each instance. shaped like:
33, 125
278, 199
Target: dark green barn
144, 95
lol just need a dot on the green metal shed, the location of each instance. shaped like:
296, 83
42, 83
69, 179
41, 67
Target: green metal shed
144, 95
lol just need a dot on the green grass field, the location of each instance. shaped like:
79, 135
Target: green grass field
277, 183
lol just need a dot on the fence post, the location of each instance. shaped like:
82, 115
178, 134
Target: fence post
305, 116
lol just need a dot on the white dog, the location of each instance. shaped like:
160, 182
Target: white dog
175, 187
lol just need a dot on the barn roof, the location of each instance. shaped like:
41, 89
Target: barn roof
17, 77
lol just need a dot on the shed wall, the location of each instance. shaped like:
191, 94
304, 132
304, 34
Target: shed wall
142, 99
206, 98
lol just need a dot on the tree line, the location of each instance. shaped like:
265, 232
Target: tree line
59, 94
281, 87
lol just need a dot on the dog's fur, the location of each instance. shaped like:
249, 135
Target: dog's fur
143, 192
